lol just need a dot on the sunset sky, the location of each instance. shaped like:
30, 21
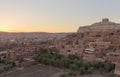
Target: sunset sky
55, 15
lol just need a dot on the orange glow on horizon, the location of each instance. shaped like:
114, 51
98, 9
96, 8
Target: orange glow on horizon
34, 29
31, 28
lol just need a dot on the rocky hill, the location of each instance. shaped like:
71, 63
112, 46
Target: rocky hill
104, 25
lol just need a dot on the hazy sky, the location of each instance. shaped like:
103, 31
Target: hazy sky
55, 15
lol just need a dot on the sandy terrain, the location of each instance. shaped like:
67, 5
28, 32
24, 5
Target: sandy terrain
33, 71
41, 71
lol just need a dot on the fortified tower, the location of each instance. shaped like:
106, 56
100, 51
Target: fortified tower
105, 20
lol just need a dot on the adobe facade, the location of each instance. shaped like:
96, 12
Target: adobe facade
25, 53
23, 56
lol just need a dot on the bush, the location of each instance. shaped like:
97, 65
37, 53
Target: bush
108, 66
65, 62
57, 56
90, 70
73, 63
6, 68
63, 75
71, 73
82, 70
43, 50
98, 65
8, 65
57, 63
52, 62
2, 70
6, 62
74, 67
87, 65
78, 63
73, 57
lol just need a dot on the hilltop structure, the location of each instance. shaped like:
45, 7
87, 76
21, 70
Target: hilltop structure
104, 25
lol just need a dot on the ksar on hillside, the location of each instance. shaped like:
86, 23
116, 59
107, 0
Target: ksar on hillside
97, 42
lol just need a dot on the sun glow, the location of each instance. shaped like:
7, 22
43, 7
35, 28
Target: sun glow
6, 29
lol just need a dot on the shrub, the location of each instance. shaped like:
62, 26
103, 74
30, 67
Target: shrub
78, 63
108, 66
57, 63
98, 65
90, 70
82, 70
8, 64
43, 50
2, 70
71, 73
63, 75
73, 57
57, 56
73, 63
65, 62
74, 67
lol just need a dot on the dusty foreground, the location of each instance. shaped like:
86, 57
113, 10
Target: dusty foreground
33, 71
39, 71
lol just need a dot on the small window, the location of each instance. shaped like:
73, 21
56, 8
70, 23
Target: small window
98, 35
63, 47
116, 55
112, 33
69, 50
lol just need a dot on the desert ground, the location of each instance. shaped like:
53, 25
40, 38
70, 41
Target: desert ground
41, 71
33, 71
